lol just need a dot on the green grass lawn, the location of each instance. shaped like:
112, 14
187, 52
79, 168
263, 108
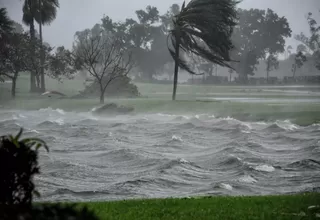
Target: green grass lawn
238, 208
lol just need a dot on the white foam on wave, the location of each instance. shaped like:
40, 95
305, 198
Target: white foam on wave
60, 111
226, 186
35, 131
265, 168
247, 179
287, 125
176, 138
49, 109
21, 116
181, 160
173, 116
59, 121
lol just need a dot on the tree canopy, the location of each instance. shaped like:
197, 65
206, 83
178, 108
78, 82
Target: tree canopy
258, 34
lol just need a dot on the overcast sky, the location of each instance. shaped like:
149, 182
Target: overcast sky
76, 15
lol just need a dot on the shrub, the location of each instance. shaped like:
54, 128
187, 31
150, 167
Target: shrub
18, 165
119, 87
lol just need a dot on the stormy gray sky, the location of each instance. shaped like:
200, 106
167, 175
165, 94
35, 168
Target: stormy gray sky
76, 15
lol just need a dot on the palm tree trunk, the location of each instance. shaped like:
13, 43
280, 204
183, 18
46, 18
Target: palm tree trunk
43, 85
176, 69
33, 87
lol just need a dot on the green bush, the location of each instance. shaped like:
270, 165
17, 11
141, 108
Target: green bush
18, 165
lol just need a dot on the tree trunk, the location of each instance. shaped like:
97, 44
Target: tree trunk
176, 69
33, 87
102, 98
13, 87
267, 76
294, 71
43, 85
102, 91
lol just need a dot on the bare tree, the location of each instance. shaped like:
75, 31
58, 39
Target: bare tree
103, 56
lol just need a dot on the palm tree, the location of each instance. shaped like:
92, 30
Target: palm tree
43, 12
6, 24
202, 28
46, 13
29, 12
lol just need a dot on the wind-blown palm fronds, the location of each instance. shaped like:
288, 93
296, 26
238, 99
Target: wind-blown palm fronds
202, 28
48, 9
6, 24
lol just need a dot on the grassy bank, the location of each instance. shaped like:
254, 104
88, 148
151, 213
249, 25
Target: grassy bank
264, 207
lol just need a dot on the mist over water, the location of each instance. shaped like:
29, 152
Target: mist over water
162, 155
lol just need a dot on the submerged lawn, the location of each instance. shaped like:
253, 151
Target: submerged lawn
265, 207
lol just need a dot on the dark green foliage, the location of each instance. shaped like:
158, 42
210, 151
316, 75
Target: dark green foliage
258, 33
60, 64
46, 212
119, 87
6, 24
18, 165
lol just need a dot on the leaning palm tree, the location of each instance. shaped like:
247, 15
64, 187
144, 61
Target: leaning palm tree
46, 12
202, 28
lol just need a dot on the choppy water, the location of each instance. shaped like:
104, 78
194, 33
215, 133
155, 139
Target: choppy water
160, 155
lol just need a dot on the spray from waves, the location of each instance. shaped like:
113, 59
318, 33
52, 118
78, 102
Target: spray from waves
247, 179
176, 138
265, 168
51, 110
225, 186
169, 155
287, 125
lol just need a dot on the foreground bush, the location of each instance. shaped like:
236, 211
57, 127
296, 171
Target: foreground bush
18, 166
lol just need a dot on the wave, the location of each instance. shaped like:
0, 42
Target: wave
51, 110
308, 164
247, 179
51, 123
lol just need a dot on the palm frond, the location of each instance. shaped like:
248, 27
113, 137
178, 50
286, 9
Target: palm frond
6, 24
48, 11
204, 28
31, 10
28, 12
